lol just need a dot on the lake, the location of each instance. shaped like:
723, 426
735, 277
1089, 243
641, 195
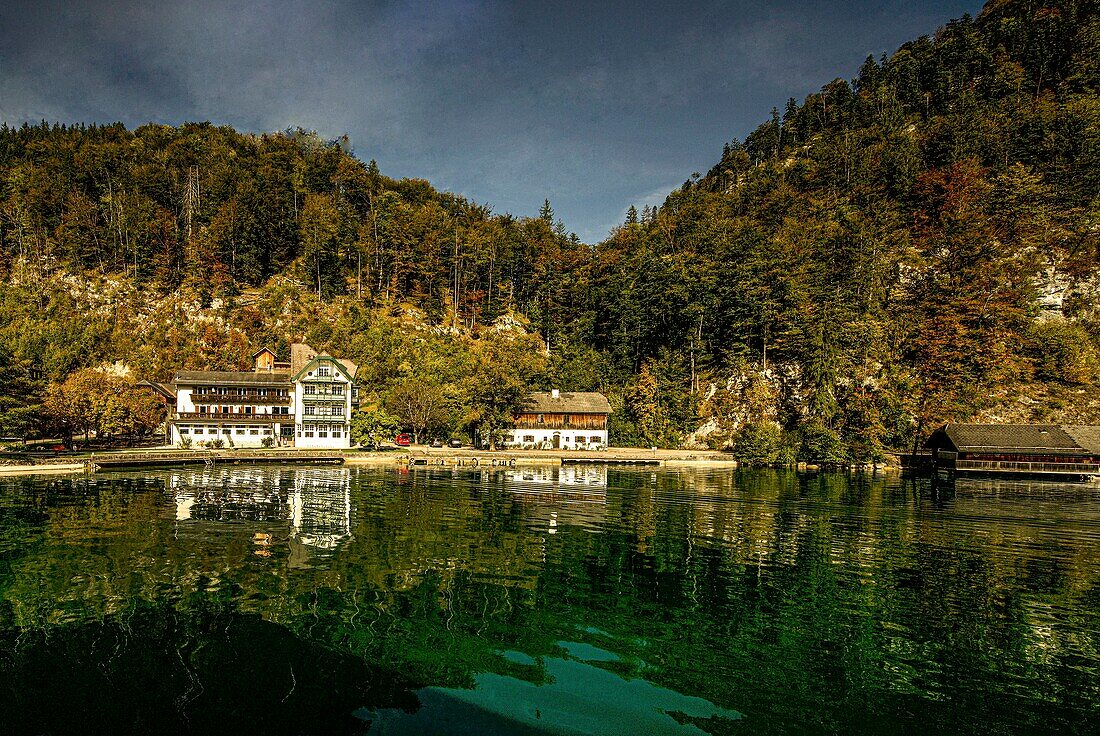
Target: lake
573, 600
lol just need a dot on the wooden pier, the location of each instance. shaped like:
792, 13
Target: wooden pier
170, 458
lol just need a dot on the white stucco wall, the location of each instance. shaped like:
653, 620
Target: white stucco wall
303, 420
570, 439
183, 400
242, 434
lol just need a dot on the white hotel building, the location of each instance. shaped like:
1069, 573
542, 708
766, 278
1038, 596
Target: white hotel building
306, 402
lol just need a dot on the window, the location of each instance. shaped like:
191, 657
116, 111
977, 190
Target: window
227, 430
322, 434
248, 410
224, 409
185, 430
540, 419
335, 433
510, 438
240, 430
254, 431
198, 430
528, 438
267, 432
324, 371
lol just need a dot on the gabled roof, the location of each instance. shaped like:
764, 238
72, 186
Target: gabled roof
1086, 436
264, 349
164, 389
351, 367
300, 354
1020, 439
232, 378
340, 364
579, 402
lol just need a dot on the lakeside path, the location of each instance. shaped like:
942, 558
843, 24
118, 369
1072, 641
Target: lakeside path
43, 469
615, 455
428, 455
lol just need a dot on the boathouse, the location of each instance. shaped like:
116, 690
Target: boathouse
1016, 449
560, 420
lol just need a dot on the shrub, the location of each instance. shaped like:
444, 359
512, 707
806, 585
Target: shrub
821, 444
758, 443
1062, 351
216, 444
185, 443
268, 442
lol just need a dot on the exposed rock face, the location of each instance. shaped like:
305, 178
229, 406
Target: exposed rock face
751, 394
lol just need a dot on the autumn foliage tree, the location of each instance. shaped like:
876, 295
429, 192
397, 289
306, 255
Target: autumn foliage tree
92, 401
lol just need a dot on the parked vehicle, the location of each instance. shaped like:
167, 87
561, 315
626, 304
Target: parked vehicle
437, 442
454, 442
403, 440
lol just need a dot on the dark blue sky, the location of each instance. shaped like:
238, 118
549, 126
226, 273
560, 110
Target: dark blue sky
594, 105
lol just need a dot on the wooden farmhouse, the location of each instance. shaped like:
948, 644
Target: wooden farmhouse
557, 420
1017, 449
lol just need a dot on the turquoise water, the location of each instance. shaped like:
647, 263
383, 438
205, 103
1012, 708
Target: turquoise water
558, 601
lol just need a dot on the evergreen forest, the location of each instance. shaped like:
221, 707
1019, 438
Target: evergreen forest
917, 245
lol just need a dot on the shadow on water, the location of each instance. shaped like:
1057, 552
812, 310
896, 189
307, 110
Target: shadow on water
204, 669
565, 601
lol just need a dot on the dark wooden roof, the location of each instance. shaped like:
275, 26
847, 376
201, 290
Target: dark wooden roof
579, 402
164, 389
232, 378
1084, 435
1019, 439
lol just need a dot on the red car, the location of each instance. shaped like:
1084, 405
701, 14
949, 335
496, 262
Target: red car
403, 440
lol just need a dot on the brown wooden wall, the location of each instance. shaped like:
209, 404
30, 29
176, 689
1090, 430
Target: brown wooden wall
530, 420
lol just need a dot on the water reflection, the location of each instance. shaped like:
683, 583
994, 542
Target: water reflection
315, 505
429, 599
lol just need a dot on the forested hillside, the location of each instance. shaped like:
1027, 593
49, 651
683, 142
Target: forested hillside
917, 245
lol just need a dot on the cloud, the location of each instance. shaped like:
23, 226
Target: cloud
504, 102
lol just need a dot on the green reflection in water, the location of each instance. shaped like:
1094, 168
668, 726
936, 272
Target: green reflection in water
572, 600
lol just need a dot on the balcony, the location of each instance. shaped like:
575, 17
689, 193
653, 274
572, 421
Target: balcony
326, 398
249, 397
233, 417
1003, 466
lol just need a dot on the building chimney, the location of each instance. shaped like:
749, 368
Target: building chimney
555, 394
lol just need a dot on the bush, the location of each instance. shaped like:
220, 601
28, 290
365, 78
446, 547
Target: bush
216, 444
1062, 351
758, 443
267, 442
185, 443
821, 444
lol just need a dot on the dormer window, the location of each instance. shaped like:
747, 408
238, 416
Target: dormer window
323, 371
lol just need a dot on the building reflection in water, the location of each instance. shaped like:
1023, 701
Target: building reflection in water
310, 508
557, 496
